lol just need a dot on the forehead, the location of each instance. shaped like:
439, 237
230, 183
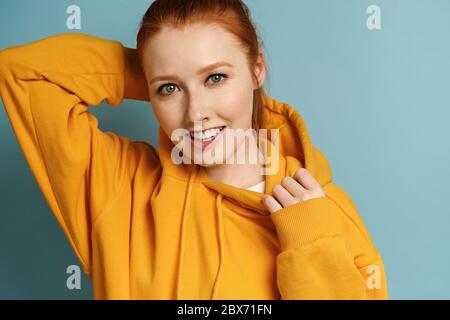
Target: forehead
193, 46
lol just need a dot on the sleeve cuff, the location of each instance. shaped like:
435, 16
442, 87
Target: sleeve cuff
305, 222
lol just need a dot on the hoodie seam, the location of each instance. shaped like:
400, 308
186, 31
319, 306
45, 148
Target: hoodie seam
43, 73
179, 179
370, 243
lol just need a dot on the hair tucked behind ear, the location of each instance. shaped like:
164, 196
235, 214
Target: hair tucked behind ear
232, 15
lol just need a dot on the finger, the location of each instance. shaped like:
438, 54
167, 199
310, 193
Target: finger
293, 187
305, 178
283, 196
271, 204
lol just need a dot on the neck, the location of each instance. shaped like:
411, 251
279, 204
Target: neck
239, 175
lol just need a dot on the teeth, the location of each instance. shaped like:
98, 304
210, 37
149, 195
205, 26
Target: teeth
206, 134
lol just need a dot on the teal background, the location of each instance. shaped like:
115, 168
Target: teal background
377, 104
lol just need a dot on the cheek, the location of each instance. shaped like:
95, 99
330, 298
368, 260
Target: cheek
169, 121
237, 103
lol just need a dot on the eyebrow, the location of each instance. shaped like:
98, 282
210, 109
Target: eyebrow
199, 72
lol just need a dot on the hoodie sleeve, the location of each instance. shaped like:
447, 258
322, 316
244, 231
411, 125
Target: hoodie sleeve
46, 87
326, 251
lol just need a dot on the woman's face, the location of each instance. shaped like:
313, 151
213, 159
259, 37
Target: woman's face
200, 75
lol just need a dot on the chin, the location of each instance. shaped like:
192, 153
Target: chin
203, 159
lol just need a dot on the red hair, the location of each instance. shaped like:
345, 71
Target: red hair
232, 15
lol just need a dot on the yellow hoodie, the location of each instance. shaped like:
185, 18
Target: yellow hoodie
145, 228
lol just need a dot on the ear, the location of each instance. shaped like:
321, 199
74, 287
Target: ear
260, 70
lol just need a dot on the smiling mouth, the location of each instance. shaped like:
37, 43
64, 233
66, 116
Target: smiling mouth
209, 138
204, 143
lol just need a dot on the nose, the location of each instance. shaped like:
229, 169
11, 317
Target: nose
196, 112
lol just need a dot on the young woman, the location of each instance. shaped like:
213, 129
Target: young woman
145, 225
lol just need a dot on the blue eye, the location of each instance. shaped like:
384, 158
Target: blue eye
169, 85
216, 76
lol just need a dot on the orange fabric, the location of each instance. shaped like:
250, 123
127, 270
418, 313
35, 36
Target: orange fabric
145, 228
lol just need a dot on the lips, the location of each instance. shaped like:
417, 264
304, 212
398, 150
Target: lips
203, 144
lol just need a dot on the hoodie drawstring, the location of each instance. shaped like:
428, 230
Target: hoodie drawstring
221, 252
187, 201
183, 232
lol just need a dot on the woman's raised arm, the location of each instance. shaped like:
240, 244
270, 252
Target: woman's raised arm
46, 87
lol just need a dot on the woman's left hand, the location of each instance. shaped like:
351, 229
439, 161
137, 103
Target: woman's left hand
301, 187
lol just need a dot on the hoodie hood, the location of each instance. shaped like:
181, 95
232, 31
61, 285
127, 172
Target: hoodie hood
293, 149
